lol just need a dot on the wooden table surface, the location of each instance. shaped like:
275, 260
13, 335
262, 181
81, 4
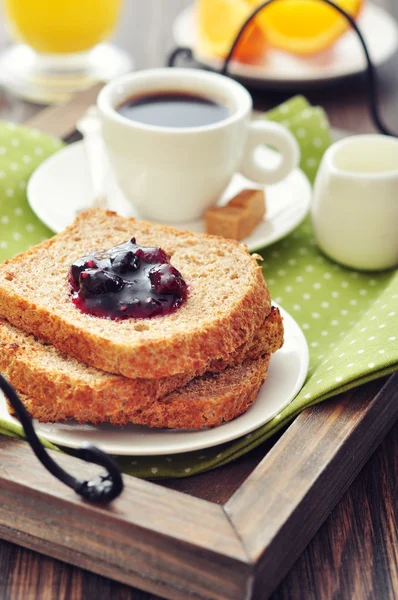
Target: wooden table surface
355, 553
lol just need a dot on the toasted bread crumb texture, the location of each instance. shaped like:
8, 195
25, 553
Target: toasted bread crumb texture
65, 388
206, 401
209, 400
227, 300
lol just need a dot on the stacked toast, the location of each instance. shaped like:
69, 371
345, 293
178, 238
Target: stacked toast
198, 366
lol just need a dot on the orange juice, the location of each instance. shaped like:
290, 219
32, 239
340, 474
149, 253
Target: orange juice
62, 26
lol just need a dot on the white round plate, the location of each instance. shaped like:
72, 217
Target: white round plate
286, 375
61, 186
280, 69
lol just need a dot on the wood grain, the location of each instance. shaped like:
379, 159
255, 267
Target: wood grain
150, 537
60, 121
355, 553
173, 544
317, 465
353, 556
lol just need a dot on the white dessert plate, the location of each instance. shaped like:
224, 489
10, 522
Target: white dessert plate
286, 375
61, 187
280, 69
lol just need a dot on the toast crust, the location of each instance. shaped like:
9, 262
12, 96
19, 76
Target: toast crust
227, 302
66, 388
206, 401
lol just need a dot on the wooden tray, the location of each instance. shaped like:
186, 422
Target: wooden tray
180, 546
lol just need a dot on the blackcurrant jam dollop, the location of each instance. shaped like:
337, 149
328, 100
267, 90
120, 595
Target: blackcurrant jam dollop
127, 281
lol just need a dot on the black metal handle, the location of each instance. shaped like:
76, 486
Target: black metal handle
179, 51
370, 68
101, 488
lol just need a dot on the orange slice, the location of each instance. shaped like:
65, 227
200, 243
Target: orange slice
218, 23
304, 27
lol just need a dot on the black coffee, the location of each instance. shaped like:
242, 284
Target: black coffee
174, 109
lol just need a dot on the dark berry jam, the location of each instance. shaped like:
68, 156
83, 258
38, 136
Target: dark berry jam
127, 281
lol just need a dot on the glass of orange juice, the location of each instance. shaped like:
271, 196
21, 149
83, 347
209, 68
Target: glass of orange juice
61, 46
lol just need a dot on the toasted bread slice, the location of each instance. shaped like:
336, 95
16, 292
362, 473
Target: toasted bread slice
227, 302
71, 389
206, 401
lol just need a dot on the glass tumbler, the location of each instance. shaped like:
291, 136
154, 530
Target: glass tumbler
61, 47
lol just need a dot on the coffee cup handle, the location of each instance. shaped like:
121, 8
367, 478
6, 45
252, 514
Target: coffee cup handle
277, 136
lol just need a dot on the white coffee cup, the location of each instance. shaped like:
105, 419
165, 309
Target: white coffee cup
355, 203
174, 174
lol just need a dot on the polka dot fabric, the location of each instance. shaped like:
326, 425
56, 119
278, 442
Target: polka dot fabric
349, 318
310, 126
21, 151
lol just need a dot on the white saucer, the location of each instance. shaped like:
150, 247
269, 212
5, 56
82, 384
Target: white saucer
286, 375
280, 69
61, 186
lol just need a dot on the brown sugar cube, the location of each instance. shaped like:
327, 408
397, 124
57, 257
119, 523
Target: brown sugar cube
239, 217
226, 221
253, 201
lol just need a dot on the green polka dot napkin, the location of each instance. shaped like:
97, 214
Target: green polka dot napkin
21, 151
310, 126
349, 318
